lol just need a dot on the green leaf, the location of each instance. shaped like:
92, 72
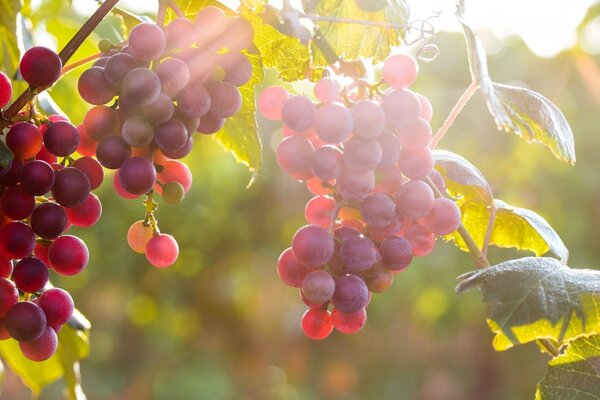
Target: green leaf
9, 50
537, 298
239, 135
513, 227
519, 111
355, 33
463, 180
73, 345
575, 374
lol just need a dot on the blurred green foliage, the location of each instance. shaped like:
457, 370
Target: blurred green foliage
220, 324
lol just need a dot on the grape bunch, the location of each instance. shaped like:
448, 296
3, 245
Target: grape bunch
166, 85
364, 155
40, 199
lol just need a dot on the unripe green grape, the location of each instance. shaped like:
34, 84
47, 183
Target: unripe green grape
173, 193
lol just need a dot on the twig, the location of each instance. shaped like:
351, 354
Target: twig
490, 229
68, 68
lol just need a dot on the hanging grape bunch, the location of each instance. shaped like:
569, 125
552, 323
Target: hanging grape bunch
41, 198
169, 84
364, 155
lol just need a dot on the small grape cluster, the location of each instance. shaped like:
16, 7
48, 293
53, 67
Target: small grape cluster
364, 154
169, 83
40, 199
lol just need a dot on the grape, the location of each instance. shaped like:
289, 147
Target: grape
355, 187
444, 217
42, 348
137, 131
180, 33
40, 66
118, 66
173, 193
426, 108
24, 140
182, 152
25, 321
396, 253
5, 266
94, 87
226, 99
162, 251
361, 155
369, 119
138, 236
195, 101
390, 150
101, 62
177, 171
415, 199
414, 134
9, 295
318, 186
379, 234
45, 155
416, 165
298, 112
12, 174
68, 255
379, 279
86, 214
71, 187
318, 286
316, 323
41, 251
92, 169
290, 270
16, 202
100, 122
349, 322
49, 220
112, 151
327, 162
210, 124
319, 211
30, 275
327, 90
61, 139
141, 86
37, 177
137, 175
238, 69
211, 23
438, 180
17, 240
312, 245
5, 90
333, 123
146, 41
351, 293
171, 136
294, 156
421, 239
400, 71
270, 102
238, 35
358, 253
378, 210
344, 233
199, 63
160, 111
400, 105
57, 305
174, 75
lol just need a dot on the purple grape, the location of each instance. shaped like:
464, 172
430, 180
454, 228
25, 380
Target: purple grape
25, 321
137, 132
147, 41
30, 275
414, 200
298, 113
160, 111
358, 253
71, 187
354, 187
94, 88
333, 123
49, 220
318, 286
194, 101
400, 105
61, 138
16, 203
327, 162
174, 75
351, 293
112, 151
237, 66
226, 99
396, 253
137, 175
141, 86
378, 210
171, 136
312, 245
390, 150
42, 348
17, 240
369, 119
294, 155
362, 155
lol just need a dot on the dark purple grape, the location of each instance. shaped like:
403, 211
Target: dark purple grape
25, 321
137, 131
71, 187
94, 88
13, 175
112, 151
17, 240
16, 203
171, 136
378, 210
37, 177
40, 66
358, 253
225, 99
182, 152
100, 122
194, 101
61, 138
68, 255
160, 111
141, 86
118, 66
351, 293
396, 253
210, 124
312, 245
137, 175
30, 275
49, 220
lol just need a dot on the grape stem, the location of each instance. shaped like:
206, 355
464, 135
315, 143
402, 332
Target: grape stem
481, 260
490, 229
65, 55
453, 114
68, 68
334, 215
173, 6
160, 15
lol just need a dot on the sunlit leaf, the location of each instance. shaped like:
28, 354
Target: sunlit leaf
520, 111
463, 179
9, 50
575, 374
372, 37
537, 298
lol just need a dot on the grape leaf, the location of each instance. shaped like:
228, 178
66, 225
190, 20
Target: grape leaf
575, 374
9, 50
537, 298
239, 135
523, 112
372, 37
463, 179
73, 345
513, 227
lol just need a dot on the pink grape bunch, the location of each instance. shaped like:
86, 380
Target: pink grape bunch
365, 158
164, 85
40, 199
